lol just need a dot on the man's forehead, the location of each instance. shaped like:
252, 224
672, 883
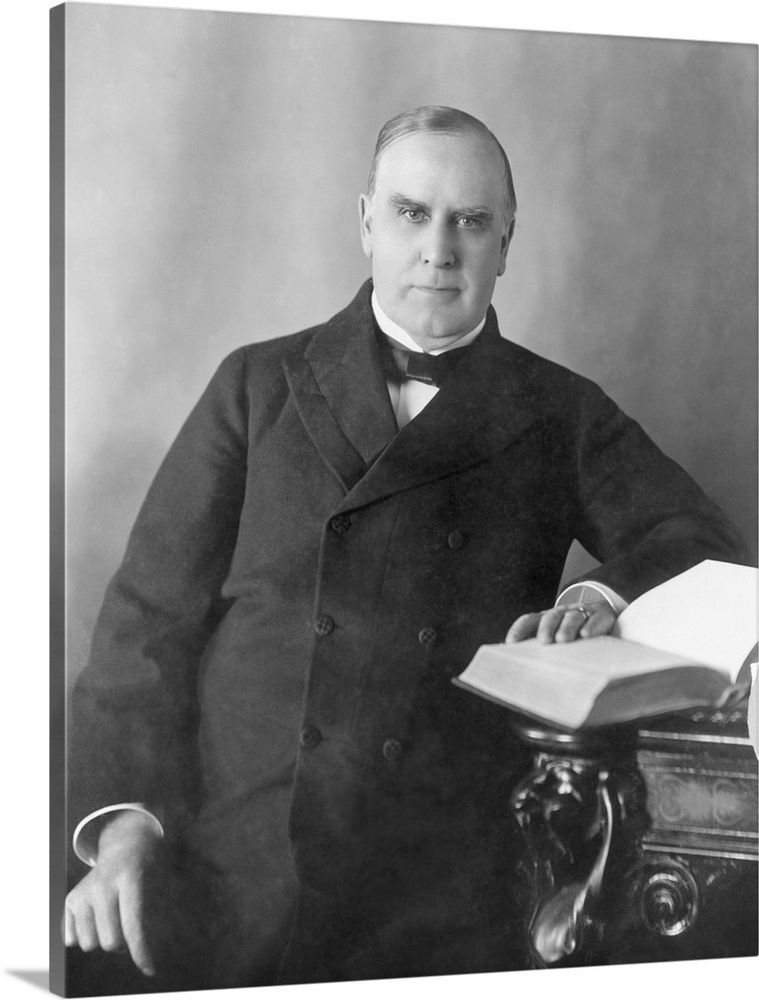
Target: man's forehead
465, 159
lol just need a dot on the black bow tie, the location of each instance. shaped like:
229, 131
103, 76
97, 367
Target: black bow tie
432, 369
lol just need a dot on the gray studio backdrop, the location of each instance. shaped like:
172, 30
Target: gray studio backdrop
213, 166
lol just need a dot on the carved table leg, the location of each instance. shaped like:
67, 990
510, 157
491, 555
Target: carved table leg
581, 810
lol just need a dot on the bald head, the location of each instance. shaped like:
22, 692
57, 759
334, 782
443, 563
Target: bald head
446, 121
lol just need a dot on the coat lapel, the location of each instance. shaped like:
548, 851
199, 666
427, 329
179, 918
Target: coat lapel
482, 410
341, 393
342, 398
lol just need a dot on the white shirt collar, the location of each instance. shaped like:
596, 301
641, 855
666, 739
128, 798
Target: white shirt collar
397, 333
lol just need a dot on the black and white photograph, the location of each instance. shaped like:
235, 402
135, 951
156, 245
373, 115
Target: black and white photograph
404, 501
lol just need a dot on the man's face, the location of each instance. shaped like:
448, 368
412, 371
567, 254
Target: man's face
435, 232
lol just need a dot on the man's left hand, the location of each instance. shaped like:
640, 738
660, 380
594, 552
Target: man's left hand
564, 623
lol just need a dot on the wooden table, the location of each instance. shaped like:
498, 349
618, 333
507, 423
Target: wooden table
642, 841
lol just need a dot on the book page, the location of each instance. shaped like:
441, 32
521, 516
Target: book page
560, 681
707, 615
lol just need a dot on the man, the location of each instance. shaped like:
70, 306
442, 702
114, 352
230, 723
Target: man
270, 750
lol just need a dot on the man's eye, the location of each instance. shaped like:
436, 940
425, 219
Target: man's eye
412, 214
469, 222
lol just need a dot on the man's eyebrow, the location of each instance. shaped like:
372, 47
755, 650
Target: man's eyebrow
481, 213
401, 201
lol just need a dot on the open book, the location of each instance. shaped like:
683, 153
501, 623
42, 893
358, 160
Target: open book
685, 644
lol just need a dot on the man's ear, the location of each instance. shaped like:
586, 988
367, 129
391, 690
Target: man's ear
505, 244
365, 217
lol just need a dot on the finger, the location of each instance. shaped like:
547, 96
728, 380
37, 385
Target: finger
108, 922
68, 929
571, 625
550, 621
85, 930
130, 908
601, 622
523, 628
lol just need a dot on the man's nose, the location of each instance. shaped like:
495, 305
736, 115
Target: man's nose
438, 246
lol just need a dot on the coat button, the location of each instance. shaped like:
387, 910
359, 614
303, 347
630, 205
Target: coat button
310, 738
340, 524
392, 749
428, 637
456, 539
323, 625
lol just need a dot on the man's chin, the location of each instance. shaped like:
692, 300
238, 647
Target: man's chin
434, 325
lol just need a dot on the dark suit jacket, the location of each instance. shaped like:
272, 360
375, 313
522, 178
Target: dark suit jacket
272, 664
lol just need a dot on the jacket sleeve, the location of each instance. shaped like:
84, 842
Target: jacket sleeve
134, 711
641, 514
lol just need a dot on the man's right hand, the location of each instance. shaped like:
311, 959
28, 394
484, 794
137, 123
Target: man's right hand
106, 908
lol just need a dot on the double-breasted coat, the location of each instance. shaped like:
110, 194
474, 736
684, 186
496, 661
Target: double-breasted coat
271, 669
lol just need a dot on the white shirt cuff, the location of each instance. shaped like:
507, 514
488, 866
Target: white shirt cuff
589, 590
85, 840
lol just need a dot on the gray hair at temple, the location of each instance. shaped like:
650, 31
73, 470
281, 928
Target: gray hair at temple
438, 118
